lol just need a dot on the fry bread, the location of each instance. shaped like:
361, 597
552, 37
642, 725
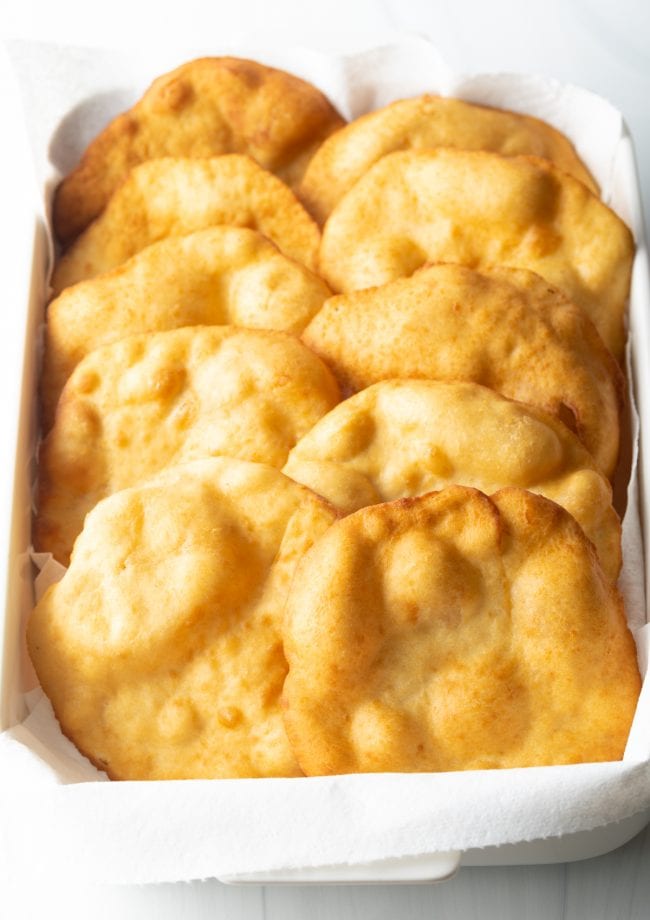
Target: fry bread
427, 122
455, 632
482, 209
506, 329
402, 438
161, 648
175, 196
204, 108
217, 276
151, 401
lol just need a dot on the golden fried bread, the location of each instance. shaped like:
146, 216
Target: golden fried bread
482, 209
216, 276
161, 648
150, 401
204, 108
426, 122
506, 329
402, 438
454, 632
175, 196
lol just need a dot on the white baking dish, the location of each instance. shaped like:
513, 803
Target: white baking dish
78, 808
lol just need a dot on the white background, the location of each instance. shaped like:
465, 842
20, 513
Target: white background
602, 45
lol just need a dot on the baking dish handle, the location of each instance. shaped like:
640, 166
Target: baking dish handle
410, 870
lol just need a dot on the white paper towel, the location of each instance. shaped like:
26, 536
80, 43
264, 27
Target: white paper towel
62, 814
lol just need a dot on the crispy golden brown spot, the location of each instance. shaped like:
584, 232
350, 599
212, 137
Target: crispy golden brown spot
506, 329
204, 108
481, 209
427, 122
161, 648
402, 438
159, 399
455, 632
176, 196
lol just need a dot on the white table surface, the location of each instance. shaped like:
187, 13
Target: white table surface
599, 44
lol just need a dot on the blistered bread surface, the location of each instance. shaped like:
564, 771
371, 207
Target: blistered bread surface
206, 107
480, 209
403, 438
222, 275
452, 632
506, 329
150, 401
161, 648
427, 122
174, 196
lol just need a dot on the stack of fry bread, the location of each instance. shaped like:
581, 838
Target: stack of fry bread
330, 415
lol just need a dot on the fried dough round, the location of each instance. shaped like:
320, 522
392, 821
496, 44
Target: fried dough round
427, 122
204, 108
175, 196
161, 648
506, 329
455, 632
482, 209
217, 276
150, 401
403, 438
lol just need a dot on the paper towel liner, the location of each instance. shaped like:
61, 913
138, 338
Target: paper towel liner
59, 812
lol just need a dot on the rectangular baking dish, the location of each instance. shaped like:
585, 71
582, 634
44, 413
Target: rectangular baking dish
17, 575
